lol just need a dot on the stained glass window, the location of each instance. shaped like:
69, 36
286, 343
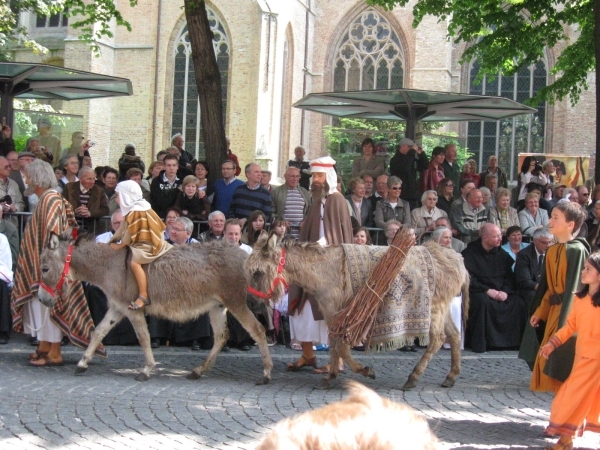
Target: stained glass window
369, 56
507, 138
186, 105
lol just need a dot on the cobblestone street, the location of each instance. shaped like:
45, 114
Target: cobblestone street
490, 407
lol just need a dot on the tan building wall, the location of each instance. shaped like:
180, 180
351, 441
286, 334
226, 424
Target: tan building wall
260, 119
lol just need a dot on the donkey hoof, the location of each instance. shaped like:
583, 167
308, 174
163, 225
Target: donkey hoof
80, 370
142, 377
323, 385
448, 383
193, 376
368, 372
263, 380
410, 384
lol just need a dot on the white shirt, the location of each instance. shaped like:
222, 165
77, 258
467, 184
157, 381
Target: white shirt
6, 273
246, 248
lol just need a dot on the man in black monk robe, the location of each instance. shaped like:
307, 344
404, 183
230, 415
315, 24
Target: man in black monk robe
497, 315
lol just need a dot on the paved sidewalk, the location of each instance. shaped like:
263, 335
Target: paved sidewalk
490, 407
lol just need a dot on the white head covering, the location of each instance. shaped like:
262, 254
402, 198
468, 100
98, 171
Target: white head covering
325, 165
131, 198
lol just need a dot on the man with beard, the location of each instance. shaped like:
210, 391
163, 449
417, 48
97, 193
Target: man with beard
328, 218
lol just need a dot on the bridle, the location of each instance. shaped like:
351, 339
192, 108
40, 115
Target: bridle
278, 280
58, 289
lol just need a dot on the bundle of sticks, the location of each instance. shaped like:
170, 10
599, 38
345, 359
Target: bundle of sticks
353, 324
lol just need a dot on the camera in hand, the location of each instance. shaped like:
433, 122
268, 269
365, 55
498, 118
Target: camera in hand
6, 199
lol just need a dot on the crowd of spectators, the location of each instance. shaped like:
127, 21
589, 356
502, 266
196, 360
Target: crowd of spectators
503, 240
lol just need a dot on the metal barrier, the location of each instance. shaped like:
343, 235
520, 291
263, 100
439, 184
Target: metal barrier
102, 224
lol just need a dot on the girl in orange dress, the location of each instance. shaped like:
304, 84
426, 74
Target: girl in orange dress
560, 278
576, 407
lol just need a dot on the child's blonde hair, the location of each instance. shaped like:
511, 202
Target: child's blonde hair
190, 179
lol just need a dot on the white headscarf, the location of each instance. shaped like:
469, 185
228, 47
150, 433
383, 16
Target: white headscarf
131, 198
325, 165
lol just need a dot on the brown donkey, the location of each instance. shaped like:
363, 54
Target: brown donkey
322, 271
187, 281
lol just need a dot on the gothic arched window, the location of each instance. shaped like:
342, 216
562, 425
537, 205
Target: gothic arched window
507, 138
186, 106
369, 56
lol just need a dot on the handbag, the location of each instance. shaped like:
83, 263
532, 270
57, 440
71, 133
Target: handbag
560, 361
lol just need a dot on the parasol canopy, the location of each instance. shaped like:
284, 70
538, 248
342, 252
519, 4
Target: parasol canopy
44, 82
412, 105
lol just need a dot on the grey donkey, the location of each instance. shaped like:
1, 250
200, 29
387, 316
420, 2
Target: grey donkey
322, 271
185, 282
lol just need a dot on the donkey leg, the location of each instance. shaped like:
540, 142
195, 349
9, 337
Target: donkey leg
140, 327
243, 314
334, 361
218, 322
112, 318
454, 337
436, 339
353, 364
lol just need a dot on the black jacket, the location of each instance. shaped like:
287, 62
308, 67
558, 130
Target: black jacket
407, 168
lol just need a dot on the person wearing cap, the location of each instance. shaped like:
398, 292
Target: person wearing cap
48, 140
558, 190
265, 180
18, 176
406, 164
328, 217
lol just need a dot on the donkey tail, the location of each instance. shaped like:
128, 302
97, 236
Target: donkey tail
464, 289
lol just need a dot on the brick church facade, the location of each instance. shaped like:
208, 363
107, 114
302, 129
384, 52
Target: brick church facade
271, 54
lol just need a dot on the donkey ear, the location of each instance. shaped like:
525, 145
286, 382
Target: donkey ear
273, 241
54, 241
262, 239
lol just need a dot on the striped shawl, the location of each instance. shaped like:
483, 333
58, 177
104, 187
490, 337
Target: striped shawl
144, 227
53, 214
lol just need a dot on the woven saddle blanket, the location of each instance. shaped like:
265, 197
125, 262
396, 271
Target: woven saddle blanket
406, 310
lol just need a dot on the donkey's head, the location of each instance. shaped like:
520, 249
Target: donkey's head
264, 267
52, 268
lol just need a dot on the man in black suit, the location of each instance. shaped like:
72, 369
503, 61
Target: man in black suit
530, 263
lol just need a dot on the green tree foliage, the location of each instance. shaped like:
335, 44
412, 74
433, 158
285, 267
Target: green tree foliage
506, 35
93, 19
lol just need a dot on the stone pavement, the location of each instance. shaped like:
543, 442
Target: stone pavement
490, 407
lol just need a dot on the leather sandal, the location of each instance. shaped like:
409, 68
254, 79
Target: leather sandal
134, 306
44, 361
37, 355
302, 362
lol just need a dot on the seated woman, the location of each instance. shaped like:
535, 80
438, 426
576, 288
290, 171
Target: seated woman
423, 218
532, 217
503, 215
359, 206
141, 230
390, 229
514, 244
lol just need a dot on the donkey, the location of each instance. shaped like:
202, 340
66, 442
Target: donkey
185, 282
322, 271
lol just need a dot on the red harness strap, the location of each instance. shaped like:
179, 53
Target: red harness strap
278, 280
58, 289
